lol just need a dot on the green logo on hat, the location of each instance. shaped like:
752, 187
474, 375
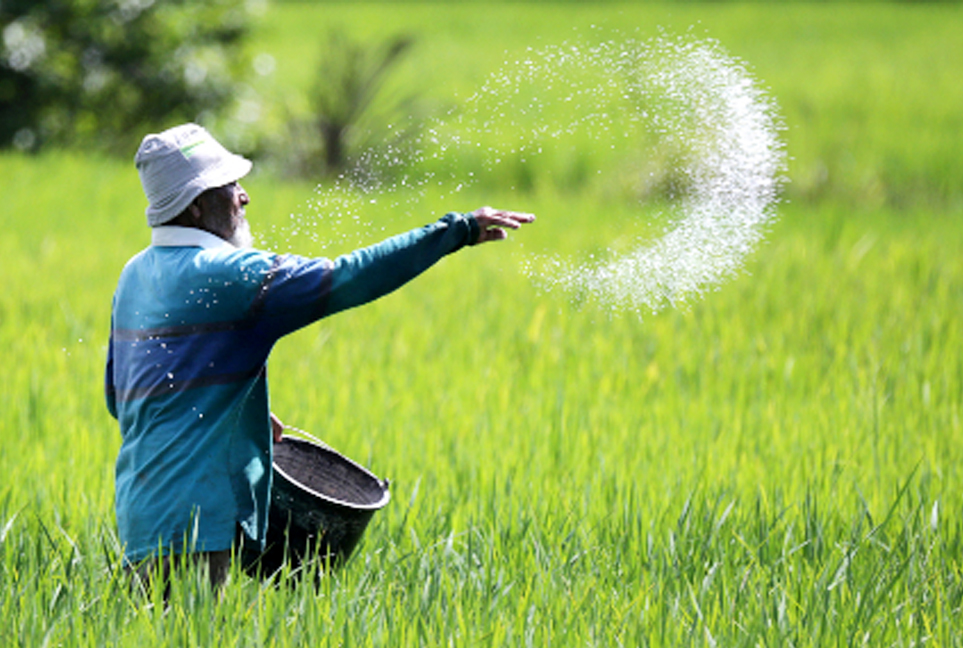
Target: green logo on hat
188, 149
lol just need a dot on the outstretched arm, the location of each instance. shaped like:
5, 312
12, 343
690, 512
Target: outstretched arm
299, 291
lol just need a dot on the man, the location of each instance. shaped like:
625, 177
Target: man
194, 318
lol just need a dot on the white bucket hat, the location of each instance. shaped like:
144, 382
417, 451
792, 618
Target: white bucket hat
176, 166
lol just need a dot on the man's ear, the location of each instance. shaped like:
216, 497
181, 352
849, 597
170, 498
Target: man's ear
195, 209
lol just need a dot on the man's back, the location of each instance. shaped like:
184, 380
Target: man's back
187, 370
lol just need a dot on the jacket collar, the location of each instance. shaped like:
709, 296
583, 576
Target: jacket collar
177, 236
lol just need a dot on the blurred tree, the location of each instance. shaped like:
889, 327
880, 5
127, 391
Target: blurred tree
98, 73
350, 78
354, 115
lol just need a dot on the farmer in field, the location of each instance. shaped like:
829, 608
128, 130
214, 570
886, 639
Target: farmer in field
194, 318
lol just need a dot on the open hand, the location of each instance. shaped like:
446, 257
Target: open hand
492, 221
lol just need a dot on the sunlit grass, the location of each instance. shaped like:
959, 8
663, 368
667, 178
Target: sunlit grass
775, 463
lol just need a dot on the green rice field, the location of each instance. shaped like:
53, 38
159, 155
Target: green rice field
776, 464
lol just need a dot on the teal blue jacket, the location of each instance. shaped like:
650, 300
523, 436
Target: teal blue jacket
193, 322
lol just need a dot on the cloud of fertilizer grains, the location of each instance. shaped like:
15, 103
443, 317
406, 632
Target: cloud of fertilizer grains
716, 134
677, 118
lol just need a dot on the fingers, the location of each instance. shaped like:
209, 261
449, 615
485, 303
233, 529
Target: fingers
504, 217
491, 234
491, 221
277, 428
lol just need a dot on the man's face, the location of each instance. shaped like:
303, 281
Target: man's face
222, 212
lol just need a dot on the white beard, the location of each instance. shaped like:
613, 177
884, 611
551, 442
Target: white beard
241, 238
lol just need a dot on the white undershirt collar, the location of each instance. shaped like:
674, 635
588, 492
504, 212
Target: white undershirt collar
177, 236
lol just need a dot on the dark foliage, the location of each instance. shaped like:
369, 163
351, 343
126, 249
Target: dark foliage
100, 73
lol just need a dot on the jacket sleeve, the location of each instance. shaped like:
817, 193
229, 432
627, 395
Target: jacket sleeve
299, 291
